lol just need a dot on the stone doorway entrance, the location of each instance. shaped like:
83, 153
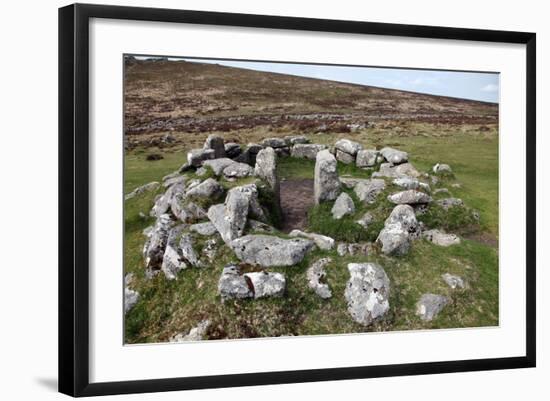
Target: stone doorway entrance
296, 198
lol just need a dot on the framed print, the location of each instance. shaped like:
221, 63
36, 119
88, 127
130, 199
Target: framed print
249, 199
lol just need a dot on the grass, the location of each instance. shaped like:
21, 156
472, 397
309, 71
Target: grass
168, 307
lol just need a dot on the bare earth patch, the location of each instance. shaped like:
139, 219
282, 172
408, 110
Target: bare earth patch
296, 199
484, 238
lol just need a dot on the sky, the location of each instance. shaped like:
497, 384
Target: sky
466, 85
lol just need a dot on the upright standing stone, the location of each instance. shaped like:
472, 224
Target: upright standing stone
216, 143
266, 169
326, 182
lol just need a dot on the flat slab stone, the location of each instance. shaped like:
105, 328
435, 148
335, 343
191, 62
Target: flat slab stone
348, 146
306, 151
394, 156
266, 250
441, 238
409, 197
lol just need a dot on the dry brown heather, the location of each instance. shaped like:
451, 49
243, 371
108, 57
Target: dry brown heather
186, 97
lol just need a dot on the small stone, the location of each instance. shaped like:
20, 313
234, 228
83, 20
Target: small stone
186, 246
347, 146
368, 191
237, 170
266, 284
342, 249
343, 206
131, 298
208, 189
440, 238
173, 260
218, 165
344, 157
322, 241
366, 158
205, 229
196, 157
195, 334
366, 220
394, 156
267, 250
215, 143
409, 197
429, 306
150, 187
232, 285
294, 140
442, 168
453, 281
448, 203
306, 151
274, 143
232, 150
316, 276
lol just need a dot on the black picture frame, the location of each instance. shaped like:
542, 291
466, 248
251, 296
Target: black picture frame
74, 201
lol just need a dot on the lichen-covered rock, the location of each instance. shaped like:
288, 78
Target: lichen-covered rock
230, 218
411, 183
218, 165
195, 334
306, 151
343, 206
237, 170
367, 292
326, 184
255, 210
215, 143
429, 306
266, 250
155, 244
344, 157
187, 211
351, 182
342, 249
453, 281
391, 171
163, 202
195, 157
274, 143
399, 229
448, 203
266, 284
394, 156
298, 139
347, 146
232, 285
208, 189
173, 260
321, 241
442, 168
266, 168
131, 298
205, 229
187, 248
255, 226
409, 197
359, 248
176, 179
316, 276
366, 158
440, 238
368, 191
366, 220
152, 186
210, 248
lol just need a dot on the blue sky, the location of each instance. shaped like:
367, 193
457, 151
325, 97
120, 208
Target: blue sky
467, 85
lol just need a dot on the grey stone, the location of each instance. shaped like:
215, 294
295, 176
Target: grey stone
344, 157
399, 229
342, 249
152, 186
155, 244
343, 206
453, 281
368, 191
321, 241
255, 226
218, 165
230, 218
178, 179
347, 146
366, 158
208, 189
401, 170
266, 284
442, 168
448, 203
210, 248
306, 151
367, 292
351, 182
196, 157
255, 210
237, 170
366, 220
316, 276
163, 202
326, 182
186, 246
266, 168
274, 143
394, 156
429, 306
282, 152
298, 139
265, 250
131, 298
232, 285
411, 183
409, 197
195, 334
215, 143
205, 229
232, 150
440, 238
358, 249
173, 260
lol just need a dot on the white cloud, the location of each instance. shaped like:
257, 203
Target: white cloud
490, 88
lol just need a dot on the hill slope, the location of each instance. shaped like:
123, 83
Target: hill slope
197, 97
